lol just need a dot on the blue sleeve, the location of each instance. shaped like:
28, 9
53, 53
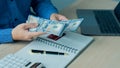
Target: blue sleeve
43, 8
5, 35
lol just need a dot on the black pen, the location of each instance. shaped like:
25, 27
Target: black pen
48, 52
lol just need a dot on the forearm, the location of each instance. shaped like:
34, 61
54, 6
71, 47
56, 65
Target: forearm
44, 8
5, 35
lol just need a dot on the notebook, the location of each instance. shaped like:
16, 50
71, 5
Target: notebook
71, 43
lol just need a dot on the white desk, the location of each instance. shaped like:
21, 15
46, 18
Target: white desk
104, 52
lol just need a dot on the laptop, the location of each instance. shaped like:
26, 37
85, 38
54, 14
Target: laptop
105, 22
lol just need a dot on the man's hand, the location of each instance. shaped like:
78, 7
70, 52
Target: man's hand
21, 32
58, 17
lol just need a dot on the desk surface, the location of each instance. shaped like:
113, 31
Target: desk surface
104, 52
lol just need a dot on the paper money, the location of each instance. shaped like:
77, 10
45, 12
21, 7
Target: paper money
52, 26
48, 26
72, 24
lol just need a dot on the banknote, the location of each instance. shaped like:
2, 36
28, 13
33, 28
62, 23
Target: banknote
53, 26
48, 26
72, 25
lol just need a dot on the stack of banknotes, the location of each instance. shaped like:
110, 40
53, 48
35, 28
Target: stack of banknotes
53, 26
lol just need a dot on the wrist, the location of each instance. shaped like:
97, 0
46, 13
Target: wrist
14, 35
12, 32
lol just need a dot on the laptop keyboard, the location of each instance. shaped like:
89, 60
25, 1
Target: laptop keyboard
107, 22
12, 61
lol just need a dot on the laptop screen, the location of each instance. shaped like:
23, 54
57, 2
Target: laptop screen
117, 11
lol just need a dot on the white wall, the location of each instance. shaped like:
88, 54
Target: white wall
68, 7
61, 4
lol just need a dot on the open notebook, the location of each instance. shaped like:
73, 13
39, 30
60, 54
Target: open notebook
72, 44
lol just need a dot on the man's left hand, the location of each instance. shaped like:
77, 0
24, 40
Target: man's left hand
58, 17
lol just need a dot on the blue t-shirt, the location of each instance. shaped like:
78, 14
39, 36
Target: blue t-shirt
14, 12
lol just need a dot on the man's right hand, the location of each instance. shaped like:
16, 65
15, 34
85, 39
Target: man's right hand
21, 32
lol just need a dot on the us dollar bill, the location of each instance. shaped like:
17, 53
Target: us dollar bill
53, 26
48, 26
72, 25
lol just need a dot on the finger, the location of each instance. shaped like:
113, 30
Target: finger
60, 17
54, 18
35, 34
29, 39
63, 18
30, 25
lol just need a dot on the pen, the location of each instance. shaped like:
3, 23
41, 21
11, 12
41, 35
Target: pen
48, 52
